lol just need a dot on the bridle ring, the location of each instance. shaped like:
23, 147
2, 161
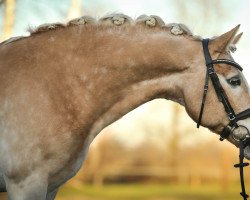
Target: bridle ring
240, 133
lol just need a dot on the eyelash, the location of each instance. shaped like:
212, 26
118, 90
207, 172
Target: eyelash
235, 81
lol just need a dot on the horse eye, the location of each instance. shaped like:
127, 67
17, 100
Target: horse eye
235, 81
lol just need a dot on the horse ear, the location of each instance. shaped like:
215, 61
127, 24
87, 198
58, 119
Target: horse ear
221, 43
237, 38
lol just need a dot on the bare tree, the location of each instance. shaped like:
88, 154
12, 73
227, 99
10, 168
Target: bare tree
9, 18
174, 140
75, 9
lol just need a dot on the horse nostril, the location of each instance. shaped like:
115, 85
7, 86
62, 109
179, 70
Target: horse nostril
240, 133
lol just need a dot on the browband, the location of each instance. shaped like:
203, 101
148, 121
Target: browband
228, 62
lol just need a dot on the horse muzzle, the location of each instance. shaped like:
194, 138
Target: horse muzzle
238, 132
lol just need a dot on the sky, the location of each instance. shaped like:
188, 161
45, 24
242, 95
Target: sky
204, 17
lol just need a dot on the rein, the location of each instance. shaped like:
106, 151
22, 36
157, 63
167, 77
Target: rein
238, 132
241, 166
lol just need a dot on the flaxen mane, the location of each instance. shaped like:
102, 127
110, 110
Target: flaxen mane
115, 20
118, 19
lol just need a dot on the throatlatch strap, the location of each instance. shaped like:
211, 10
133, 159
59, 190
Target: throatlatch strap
203, 99
208, 60
207, 56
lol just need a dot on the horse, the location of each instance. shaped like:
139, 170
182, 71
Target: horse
62, 84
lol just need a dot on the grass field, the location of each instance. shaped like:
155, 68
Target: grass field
147, 192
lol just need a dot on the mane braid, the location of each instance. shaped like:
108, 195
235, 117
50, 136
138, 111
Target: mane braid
117, 19
113, 20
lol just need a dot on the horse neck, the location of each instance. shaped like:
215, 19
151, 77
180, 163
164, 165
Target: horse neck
121, 69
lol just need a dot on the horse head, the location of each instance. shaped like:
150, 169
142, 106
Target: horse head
223, 104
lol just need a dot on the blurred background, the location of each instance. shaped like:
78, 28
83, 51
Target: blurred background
155, 152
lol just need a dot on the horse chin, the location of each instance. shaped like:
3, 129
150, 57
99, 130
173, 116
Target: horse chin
247, 152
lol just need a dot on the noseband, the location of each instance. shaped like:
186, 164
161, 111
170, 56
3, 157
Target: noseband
238, 132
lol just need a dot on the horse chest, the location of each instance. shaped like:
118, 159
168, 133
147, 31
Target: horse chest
70, 168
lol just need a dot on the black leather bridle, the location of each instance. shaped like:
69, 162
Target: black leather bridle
238, 132
233, 118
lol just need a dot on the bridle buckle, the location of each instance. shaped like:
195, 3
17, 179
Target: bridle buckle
231, 117
211, 71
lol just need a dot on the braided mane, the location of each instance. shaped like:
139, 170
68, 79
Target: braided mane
115, 20
118, 19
